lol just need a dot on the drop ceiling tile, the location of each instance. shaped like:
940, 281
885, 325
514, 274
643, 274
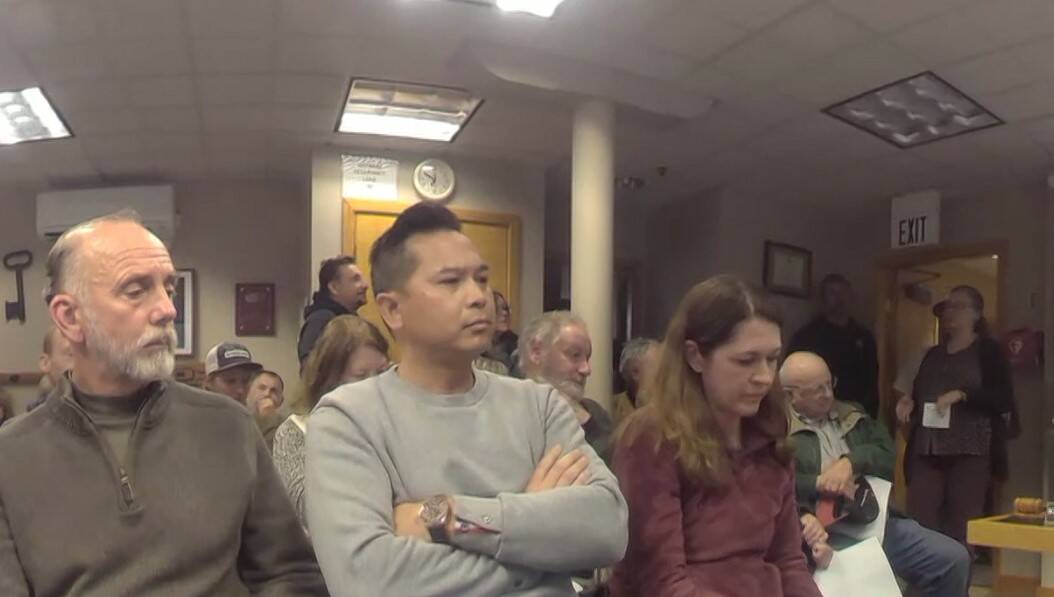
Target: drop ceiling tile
687, 30
41, 23
297, 118
233, 55
317, 17
140, 19
237, 118
167, 145
105, 146
225, 90
75, 61
149, 58
98, 93
819, 31
1019, 21
990, 73
1022, 103
161, 91
949, 38
323, 55
170, 120
231, 18
760, 58
889, 15
1034, 58
94, 121
752, 14
310, 89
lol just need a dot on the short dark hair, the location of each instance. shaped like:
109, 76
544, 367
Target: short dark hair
330, 269
833, 279
260, 372
390, 263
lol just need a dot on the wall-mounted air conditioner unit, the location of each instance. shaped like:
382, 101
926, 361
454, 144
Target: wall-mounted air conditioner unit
58, 211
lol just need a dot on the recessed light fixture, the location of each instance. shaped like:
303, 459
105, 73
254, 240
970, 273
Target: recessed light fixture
406, 110
27, 115
919, 109
540, 8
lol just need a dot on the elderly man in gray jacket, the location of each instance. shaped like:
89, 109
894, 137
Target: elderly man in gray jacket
125, 482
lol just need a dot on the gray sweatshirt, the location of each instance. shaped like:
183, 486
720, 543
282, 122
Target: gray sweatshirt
382, 441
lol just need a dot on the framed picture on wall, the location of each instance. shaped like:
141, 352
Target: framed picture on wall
183, 298
254, 309
788, 269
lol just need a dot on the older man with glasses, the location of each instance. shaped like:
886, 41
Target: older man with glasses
835, 443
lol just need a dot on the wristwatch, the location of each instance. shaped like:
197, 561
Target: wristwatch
435, 514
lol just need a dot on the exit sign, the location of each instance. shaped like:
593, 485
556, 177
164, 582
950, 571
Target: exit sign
916, 220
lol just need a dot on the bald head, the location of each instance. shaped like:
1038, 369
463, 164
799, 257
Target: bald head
66, 263
807, 380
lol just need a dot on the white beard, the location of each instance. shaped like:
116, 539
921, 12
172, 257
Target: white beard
131, 361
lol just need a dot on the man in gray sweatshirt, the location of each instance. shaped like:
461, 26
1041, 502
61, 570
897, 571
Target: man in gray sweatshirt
435, 479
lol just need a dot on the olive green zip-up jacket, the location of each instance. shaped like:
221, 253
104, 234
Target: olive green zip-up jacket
198, 511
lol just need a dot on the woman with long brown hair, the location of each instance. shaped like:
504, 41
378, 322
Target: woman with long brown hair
349, 350
705, 466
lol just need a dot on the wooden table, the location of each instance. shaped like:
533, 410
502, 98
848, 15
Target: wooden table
1007, 532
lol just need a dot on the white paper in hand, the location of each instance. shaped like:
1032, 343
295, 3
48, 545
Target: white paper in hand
932, 418
861, 571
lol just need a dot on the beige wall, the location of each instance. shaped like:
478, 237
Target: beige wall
721, 232
484, 185
227, 233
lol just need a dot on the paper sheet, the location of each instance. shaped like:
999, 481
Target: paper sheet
933, 419
876, 528
861, 571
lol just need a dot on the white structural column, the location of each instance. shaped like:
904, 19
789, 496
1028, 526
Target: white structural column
593, 234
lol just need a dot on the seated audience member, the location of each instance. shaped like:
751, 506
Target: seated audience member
636, 362
555, 349
846, 345
434, 479
705, 465
505, 341
350, 349
228, 369
341, 291
54, 361
129, 483
7, 410
264, 399
835, 443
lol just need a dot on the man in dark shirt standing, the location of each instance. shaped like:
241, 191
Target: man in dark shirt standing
341, 291
848, 347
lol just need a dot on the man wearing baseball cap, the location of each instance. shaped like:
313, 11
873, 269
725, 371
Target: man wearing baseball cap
228, 368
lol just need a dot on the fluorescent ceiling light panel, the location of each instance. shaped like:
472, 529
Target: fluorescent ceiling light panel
919, 109
406, 110
540, 8
27, 115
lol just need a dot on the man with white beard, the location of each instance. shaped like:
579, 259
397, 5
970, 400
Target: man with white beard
555, 348
125, 482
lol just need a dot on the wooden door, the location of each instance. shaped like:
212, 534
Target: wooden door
497, 236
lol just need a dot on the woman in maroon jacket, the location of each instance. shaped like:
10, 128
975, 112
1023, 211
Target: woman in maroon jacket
705, 465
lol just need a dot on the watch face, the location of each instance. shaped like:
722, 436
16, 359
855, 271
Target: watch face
434, 511
434, 179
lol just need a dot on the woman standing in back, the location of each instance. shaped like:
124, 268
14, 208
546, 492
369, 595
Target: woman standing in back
705, 466
349, 350
960, 414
